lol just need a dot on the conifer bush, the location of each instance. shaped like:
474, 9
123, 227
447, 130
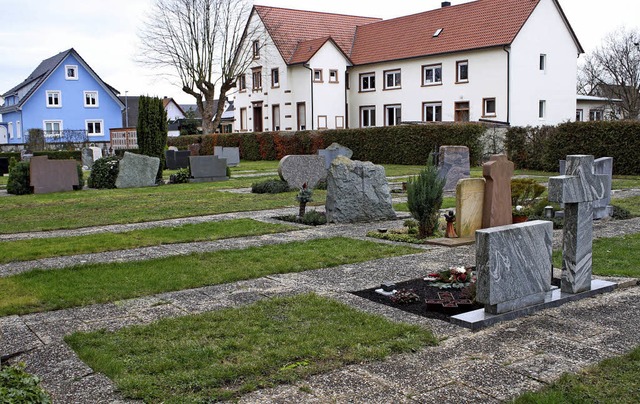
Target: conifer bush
424, 199
19, 182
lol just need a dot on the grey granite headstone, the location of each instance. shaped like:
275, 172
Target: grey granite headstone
577, 190
208, 169
97, 152
136, 171
232, 154
333, 151
87, 158
453, 165
300, 169
602, 207
513, 265
357, 192
173, 148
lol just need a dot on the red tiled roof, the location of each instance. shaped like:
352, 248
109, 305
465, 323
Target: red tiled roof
289, 28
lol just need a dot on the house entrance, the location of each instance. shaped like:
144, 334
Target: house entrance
257, 117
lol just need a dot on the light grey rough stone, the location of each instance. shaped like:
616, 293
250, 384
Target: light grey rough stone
602, 207
300, 169
333, 151
232, 154
136, 170
453, 165
513, 265
87, 158
357, 192
208, 169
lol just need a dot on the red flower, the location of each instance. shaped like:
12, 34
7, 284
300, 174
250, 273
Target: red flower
462, 277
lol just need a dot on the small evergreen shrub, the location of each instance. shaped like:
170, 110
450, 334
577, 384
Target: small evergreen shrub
80, 178
182, 176
322, 185
104, 173
19, 179
310, 218
18, 386
12, 162
60, 154
424, 199
620, 213
270, 187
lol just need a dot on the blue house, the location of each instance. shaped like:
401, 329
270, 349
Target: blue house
65, 98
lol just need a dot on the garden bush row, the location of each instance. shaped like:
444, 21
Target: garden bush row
53, 154
406, 144
540, 148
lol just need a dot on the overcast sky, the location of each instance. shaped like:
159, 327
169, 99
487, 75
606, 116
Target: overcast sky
104, 32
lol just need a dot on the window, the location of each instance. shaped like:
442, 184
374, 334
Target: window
94, 127
18, 129
431, 75
462, 71
368, 82
543, 62
256, 76
339, 122
392, 115
243, 119
54, 99
90, 98
256, 49
275, 112
52, 128
322, 122
579, 115
275, 77
242, 83
462, 112
488, 107
367, 116
10, 130
595, 114
333, 76
71, 72
346, 77
392, 79
302, 116
542, 108
432, 111
438, 32
317, 75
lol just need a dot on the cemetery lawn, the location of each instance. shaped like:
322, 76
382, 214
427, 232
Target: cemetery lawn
631, 204
4, 179
448, 202
625, 181
222, 354
69, 210
39, 290
32, 249
614, 380
616, 256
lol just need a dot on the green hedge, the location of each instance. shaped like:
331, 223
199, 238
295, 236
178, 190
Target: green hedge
8, 155
406, 144
541, 148
60, 154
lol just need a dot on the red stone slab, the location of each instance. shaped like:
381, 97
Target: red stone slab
49, 176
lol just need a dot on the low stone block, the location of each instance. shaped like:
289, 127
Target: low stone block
469, 206
513, 265
232, 154
136, 171
49, 176
208, 169
333, 151
300, 169
453, 165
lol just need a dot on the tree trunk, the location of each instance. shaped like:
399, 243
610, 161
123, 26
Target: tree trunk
303, 208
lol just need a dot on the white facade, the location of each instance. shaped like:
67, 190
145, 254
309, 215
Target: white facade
590, 108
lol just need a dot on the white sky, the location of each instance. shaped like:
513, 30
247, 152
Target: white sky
104, 32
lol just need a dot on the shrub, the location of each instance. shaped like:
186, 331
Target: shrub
104, 173
310, 218
620, 213
424, 198
182, 176
322, 185
12, 162
61, 154
152, 129
19, 182
120, 152
525, 191
270, 187
80, 178
18, 386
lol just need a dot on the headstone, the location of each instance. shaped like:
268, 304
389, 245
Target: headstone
47, 176
87, 158
334, 150
577, 190
469, 206
232, 154
173, 148
4, 166
602, 207
194, 149
25, 155
497, 196
207, 169
97, 152
300, 169
357, 192
513, 265
136, 171
453, 165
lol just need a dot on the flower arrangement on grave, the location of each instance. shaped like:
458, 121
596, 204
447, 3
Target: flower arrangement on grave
304, 197
455, 277
524, 195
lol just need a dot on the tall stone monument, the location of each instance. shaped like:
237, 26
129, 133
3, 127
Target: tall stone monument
453, 165
497, 193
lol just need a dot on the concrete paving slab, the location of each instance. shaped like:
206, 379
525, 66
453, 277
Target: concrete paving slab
16, 337
454, 393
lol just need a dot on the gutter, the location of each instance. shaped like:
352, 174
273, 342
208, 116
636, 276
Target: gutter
306, 66
505, 48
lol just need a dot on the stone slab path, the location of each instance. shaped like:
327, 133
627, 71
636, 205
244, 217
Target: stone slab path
492, 365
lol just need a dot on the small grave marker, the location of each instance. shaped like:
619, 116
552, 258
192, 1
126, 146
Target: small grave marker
469, 206
232, 154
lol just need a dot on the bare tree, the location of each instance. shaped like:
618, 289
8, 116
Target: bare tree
200, 40
613, 71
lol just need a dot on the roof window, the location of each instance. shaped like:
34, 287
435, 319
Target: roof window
438, 32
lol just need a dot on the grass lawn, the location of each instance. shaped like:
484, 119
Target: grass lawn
625, 181
617, 256
448, 202
615, 380
4, 179
39, 290
223, 354
631, 204
23, 250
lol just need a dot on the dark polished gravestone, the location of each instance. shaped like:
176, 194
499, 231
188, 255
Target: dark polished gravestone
4, 166
208, 169
177, 159
47, 176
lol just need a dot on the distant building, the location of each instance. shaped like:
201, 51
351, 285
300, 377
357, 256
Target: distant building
593, 108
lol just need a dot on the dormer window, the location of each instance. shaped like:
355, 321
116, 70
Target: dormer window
71, 72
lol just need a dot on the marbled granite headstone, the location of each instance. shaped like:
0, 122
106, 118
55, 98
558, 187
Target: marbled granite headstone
497, 196
453, 165
357, 192
207, 169
47, 176
577, 190
513, 265
334, 150
4, 165
232, 154
469, 206
300, 169
602, 207
136, 171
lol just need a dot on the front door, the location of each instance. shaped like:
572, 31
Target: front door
257, 117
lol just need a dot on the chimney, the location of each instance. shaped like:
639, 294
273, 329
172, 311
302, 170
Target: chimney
445, 4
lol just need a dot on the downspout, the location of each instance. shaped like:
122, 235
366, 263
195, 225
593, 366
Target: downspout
505, 48
345, 124
306, 66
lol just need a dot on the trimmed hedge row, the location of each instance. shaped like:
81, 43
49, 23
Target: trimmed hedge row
60, 154
540, 148
406, 144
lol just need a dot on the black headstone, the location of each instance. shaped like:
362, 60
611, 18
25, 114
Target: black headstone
4, 165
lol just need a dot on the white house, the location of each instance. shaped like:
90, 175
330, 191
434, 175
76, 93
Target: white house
593, 108
507, 61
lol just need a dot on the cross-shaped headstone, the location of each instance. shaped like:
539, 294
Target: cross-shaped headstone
577, 190
497, 191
